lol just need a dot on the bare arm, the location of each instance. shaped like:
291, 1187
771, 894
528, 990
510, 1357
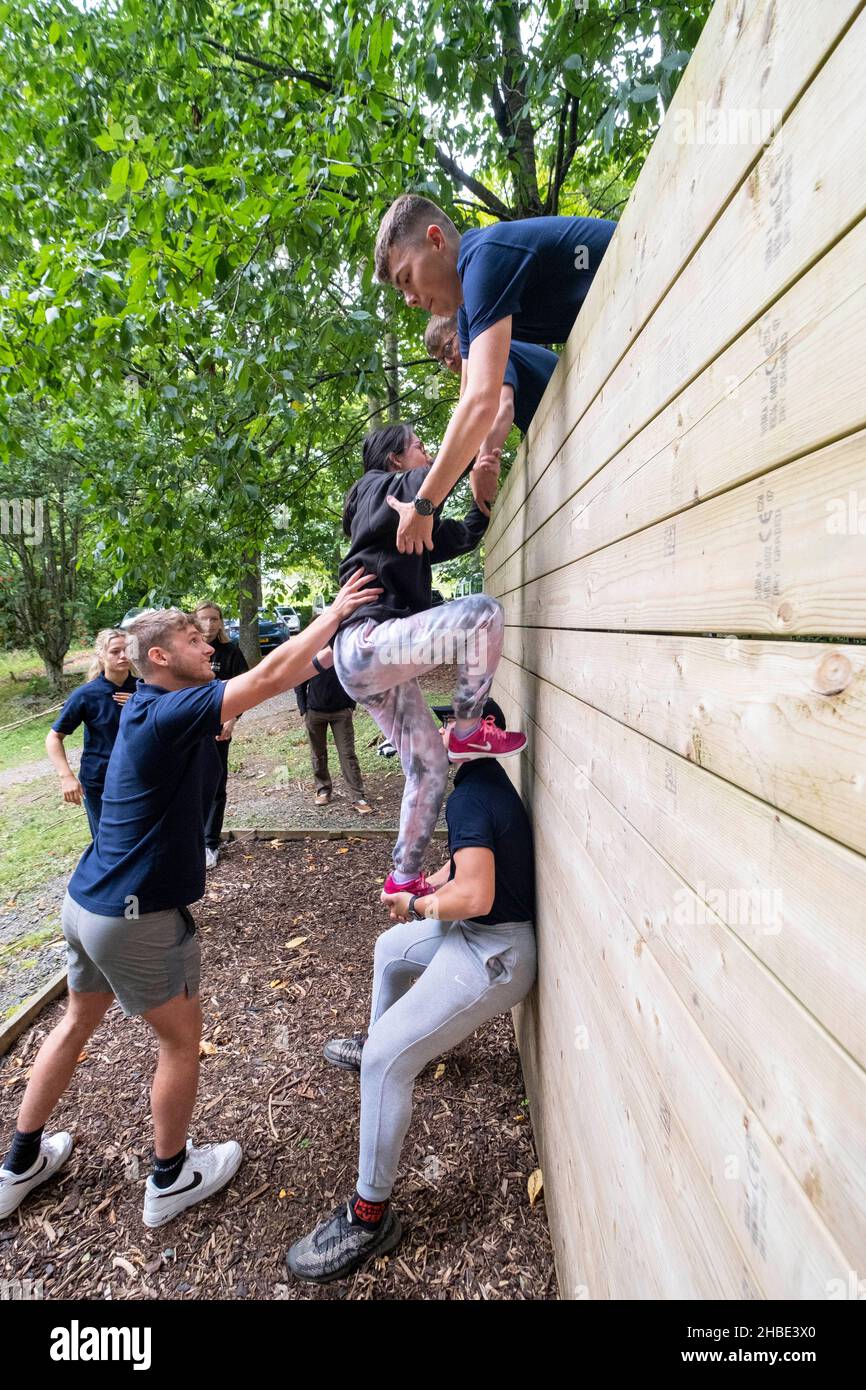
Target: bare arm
499, 431
471, 422
69, 783
470, 893
292, 663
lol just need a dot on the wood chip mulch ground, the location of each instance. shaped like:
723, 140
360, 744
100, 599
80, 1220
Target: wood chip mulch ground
287, 931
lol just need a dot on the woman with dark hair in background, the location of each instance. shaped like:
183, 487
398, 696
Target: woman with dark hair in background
227, 661
96, 705
379, 654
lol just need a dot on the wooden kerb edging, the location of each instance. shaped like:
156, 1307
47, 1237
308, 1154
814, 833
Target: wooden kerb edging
680, 551
23, 1017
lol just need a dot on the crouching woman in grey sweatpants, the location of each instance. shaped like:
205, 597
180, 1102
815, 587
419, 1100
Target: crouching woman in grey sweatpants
467, 949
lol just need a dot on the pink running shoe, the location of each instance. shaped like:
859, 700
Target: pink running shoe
419, 886
487, 742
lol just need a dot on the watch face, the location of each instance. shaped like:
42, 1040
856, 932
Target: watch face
424, 506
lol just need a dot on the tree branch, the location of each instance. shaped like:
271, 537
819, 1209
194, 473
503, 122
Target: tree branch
490, 200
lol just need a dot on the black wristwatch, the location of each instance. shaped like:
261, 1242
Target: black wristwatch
424, 507
416, 916
318, 665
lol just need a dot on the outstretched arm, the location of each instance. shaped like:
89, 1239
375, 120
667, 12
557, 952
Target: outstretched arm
292, 663
471, 422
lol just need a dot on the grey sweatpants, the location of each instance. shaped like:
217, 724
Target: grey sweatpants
464, 974
379, 664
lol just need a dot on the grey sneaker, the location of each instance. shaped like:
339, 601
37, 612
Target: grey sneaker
339, 1245
345, 1052
54, 1149
211, 858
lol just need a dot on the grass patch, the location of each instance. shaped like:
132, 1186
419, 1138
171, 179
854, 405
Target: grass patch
27, 694
289, 753
51, 931
40, 836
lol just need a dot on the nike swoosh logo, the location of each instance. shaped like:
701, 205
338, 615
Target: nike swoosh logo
481, 747
177, 1191
31, 1176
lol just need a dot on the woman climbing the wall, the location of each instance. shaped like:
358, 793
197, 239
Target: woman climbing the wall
380, 654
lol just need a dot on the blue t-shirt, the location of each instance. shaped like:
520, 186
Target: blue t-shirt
538, 270
528, 371
485, 811
94, 706
159, 788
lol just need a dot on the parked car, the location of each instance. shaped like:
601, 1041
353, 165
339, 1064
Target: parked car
133, 613
320, 603
272, 631
289, 616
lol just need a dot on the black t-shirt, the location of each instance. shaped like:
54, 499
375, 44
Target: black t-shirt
484, 811
406, 580
228, 660
323, 694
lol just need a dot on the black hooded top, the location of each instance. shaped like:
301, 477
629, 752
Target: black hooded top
406, 579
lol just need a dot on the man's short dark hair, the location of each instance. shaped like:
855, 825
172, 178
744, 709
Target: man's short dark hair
403, 222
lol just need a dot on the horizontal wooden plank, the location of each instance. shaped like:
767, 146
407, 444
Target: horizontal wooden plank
652, 1226
712, 833
793, 382
751, 60
809, 1093
675, 1089
801, 196
784, 720
762, 558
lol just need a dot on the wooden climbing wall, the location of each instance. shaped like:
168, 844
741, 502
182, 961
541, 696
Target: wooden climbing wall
689, 505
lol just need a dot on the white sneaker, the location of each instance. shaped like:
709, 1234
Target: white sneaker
211, 858
14, 1187
204, 1172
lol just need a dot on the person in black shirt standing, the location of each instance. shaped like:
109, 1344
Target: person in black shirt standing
323, 703
228, 660
467, 949
96, 705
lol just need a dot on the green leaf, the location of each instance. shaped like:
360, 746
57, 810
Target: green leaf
54, 33
672, 61
120, 171
105, 142
643, 91
139, 176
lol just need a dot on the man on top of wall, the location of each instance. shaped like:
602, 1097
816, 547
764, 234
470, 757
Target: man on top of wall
526, 279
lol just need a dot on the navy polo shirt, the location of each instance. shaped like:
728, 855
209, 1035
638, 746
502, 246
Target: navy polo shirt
528, 371
485, 811
538, 271
94, 706
158, 792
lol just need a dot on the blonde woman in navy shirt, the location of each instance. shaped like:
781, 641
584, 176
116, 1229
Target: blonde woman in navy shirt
96, 705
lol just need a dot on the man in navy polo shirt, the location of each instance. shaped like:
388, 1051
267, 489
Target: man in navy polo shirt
129, 933
527, 372
526, 280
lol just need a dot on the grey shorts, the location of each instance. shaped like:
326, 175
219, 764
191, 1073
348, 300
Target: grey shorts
143, 961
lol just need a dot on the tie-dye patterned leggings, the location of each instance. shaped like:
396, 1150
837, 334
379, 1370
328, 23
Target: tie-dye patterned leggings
379, 665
